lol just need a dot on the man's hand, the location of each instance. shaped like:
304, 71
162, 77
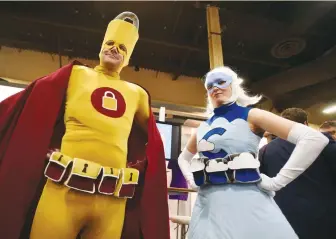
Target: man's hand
50, 151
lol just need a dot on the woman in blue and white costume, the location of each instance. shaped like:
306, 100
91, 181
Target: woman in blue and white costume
234, 201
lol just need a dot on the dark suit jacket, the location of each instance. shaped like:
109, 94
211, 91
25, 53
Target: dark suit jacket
309, 202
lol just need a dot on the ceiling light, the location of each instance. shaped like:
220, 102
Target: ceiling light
330, 110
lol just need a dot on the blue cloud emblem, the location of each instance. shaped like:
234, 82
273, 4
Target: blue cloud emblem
221, 153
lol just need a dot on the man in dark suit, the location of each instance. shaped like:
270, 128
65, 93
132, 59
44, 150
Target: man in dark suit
329, 128
309, 202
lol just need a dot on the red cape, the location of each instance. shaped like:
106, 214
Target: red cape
31, 122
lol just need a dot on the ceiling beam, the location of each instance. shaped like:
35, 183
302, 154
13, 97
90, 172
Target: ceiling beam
141, 39
309, 16
308, 96
178, 16
187, 54
308, 74
257, 61
98, 31
26, 45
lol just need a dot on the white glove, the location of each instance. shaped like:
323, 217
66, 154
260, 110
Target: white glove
192, 184
309, 145
184, 161
263, 186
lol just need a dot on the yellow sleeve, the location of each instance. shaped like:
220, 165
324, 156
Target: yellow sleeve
142, 113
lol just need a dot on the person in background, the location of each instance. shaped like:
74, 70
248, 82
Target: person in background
269, 136
309, 201
329, 129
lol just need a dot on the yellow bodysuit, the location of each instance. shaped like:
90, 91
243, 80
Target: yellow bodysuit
100, 110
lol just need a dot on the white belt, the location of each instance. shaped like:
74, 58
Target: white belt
241, 161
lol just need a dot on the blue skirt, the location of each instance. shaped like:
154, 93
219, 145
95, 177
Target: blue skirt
237, 211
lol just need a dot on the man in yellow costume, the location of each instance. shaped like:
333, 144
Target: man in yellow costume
108, 179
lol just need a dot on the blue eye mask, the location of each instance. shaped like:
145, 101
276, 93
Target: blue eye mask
217, 79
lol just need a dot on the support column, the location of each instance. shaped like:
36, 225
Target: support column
214, 37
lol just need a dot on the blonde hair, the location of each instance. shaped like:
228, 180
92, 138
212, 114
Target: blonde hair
239, 94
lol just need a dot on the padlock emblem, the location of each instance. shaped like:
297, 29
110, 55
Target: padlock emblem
109, 101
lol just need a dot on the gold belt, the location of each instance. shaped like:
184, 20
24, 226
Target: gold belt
90, 177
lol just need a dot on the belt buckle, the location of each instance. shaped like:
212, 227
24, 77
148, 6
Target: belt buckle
83, 175
58, 166
128, 180
109, 180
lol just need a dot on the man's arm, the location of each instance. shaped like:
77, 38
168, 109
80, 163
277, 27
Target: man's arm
142, 113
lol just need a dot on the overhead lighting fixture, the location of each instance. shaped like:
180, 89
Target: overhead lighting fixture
330, 110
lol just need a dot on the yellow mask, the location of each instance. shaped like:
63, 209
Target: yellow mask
123, 35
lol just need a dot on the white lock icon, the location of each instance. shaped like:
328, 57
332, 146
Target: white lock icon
109, 101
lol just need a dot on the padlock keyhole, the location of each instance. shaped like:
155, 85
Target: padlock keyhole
59, 159
127, 19
131, 177
85, 167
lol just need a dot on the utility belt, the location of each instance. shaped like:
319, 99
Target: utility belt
90, 177
234, 168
